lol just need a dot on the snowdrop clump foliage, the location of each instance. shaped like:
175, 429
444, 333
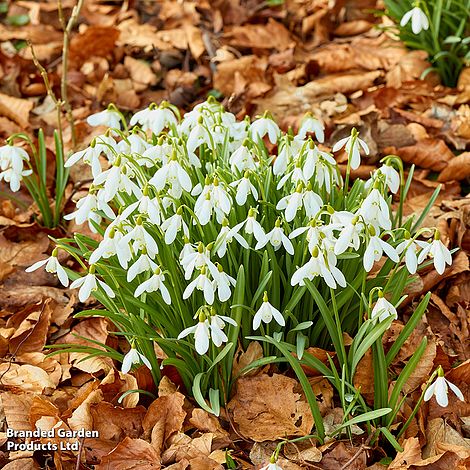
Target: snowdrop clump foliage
215, 229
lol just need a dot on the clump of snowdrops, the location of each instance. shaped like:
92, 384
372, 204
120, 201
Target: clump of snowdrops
439, 27
217, 232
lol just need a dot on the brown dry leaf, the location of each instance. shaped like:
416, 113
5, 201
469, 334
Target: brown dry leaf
439, 432
423, 370
25, 377
40, 407
204, 463
342, 456
363, 379
21, 464
303, 452
115, 384
16, 109
131, 454
114, 423
140, 71
17, 409
411, 454
183, 447
205, 422
319, 354
31, 330
427, 153
195, 42
164, 417
457, 169
94, 41
267, 408
82, 418
273, 35
242, 359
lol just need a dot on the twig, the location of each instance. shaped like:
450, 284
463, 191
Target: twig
80, 451
67, 27
362, 448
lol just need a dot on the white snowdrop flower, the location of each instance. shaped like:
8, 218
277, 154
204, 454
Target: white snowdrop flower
147, 206
153, 284
187, 250
375, 211
143, 264
199, 135
201, 335
52, 265
263, 126
349, 236
202, 283
392, 177
141, 239
271, 466
197, 260
419, 20
89, 284
159, 153
133, 143
410, 247
110, 246
134, 357
217, 324
291, 203
253, 227
282, 160
223, 283
311, 124
375, 249
213, 198
383, 309
173, 225
173, 174
11, 166
314, 160
312, 202
154, 118
108, 117
266, 313
317, 266
438, 251
352, 145
440, 389
226, 236
295, 176
277, 238
86, 210
244, 187
317, 234
242, 159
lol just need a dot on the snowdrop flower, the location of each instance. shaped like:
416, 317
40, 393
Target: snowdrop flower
108, 117
197, 260
410, 247
226, 236
263, 126
143, 264
202, 283
350, 233
242, 159
134, 357
147, 206
277, 238
352, 145
253, 227
199, 135
153, 284
244, 187
52, 266
375, 249
438, 251
201, 335
223, 283
419, 20
110, 246
213, 198
14, 178
311, 124
440, 389
317, 266
173, 225
159, 153
374, 210
89, 284
266, 313
217, 324
293, 202
383, 309
295, 176
272, 465
173, 174
154, 118
133, 143
11, 166
141, 239
392, 177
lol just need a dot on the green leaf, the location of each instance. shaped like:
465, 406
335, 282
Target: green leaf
17, 20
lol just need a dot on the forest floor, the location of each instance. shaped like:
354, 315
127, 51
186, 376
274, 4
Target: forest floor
335, 58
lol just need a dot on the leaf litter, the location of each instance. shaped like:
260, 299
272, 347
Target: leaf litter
328, 58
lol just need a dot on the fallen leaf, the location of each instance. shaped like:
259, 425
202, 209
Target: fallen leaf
267, 408
457, 169
16, 109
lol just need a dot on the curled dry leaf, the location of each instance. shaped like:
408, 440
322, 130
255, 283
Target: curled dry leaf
21, 464
16, 109
26, 377
267, 408
17, 409
457, 169
242, 359
131, 454
423, 369
411, 454
183, 447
